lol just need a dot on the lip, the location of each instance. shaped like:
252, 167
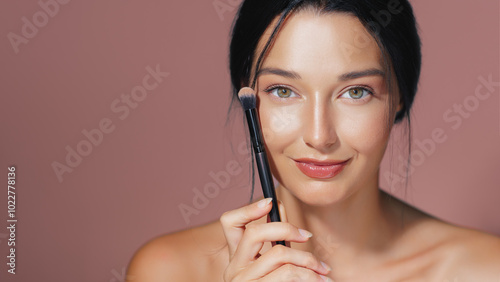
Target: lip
324, 169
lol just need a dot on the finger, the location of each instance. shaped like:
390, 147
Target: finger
289, 272
255, 235
233, 222
283, 216
279, 256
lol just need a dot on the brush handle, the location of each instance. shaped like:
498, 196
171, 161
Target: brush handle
266, 178
266, 181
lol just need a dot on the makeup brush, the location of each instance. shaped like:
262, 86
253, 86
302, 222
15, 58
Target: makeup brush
249, 101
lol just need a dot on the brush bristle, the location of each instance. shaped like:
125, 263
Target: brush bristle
247, 98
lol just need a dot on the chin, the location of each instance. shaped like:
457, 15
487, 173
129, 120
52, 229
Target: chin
318, 192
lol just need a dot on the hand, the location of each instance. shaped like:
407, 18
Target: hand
280, 263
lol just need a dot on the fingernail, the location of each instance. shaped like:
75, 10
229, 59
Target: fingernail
305, 233
325, 278
264, 202
326, 266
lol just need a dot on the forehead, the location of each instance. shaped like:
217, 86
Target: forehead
324, 43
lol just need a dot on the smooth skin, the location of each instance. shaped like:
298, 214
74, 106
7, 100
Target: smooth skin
322, 95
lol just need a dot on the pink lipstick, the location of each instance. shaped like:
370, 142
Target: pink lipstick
320, 169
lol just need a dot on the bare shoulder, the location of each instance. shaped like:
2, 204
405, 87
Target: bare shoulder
473, 254
195, 254
458, 253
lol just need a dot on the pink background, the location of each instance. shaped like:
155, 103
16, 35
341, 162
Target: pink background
129, 188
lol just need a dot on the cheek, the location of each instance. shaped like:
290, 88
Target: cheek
364, 130
280, 125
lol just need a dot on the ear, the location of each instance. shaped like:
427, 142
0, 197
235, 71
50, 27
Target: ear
400, 106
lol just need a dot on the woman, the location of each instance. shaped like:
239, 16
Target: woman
332, 78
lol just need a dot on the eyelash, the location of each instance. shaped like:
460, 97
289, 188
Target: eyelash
274, 87
362, 87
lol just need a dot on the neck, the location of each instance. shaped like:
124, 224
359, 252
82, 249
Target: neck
353, 227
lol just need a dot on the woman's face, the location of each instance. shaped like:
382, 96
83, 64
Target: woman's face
322, 98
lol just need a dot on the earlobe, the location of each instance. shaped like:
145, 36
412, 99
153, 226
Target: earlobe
400, 106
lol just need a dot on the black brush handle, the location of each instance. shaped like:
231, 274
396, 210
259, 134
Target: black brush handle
266, 178
255, 132
266, 181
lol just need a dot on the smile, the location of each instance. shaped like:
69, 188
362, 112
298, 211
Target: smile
320, 169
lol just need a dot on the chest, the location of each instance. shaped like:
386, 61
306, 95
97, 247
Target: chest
422, 268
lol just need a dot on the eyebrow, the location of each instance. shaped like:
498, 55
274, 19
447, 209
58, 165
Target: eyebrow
280, 72
357, 74
343, 77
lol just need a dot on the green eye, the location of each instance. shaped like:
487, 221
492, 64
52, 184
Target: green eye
283, 92
356, 93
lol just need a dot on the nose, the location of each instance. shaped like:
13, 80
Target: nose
319, 132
